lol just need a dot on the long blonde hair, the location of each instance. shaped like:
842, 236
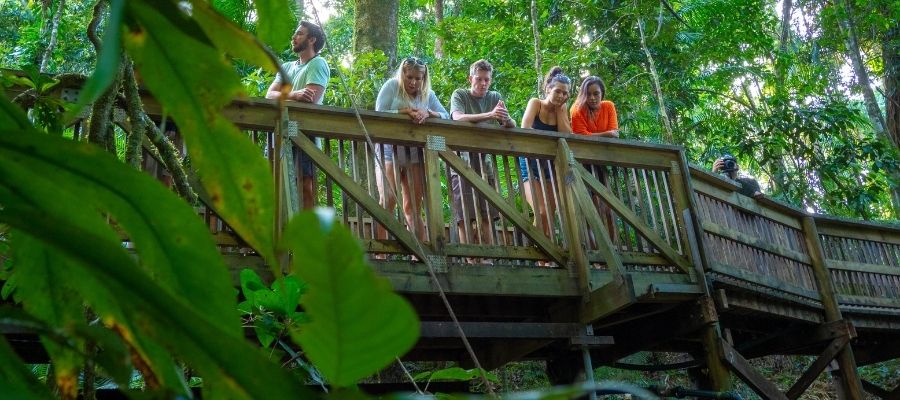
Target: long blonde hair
412, 62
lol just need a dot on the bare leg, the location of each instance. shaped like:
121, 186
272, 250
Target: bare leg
386, 183
413, 182
309, 192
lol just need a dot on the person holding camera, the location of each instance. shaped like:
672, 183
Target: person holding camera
728, 166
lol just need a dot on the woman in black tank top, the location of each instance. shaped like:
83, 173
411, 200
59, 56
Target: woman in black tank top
549, 114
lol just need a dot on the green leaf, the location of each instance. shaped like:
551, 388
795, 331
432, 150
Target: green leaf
357, 324
107, 62
288, 290
231, 38
12, 117
43, 280
55, 190
276, 22
193, 89
17, 381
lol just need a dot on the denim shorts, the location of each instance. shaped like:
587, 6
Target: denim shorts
526, 164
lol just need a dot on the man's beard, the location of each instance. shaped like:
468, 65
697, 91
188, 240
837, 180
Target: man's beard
301, 47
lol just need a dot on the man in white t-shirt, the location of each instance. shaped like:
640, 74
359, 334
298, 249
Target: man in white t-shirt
308, 77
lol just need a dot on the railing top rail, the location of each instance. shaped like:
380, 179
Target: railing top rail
329, 121
766, 206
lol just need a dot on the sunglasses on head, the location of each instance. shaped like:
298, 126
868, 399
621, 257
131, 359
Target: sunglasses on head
413, 60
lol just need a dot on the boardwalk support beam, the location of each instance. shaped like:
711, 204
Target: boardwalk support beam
846, 377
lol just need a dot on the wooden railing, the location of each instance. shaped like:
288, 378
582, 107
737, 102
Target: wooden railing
617, 205
762, 244
863, 261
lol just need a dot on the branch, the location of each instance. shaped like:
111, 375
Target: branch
135, 114
169, 157
732, 98
675, 14
95, 22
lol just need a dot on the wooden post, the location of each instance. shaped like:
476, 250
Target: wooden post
846, 377
435, 207
692, 241
279, 139
566, 178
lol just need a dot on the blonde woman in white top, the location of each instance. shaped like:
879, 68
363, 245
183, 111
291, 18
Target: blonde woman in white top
409, 92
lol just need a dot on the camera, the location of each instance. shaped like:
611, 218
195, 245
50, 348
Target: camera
729, 163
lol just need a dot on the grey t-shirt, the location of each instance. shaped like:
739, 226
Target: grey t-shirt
463, 101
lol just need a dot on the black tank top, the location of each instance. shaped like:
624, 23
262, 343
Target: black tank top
538, 124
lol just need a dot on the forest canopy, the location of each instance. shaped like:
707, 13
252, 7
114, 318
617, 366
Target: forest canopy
803, 93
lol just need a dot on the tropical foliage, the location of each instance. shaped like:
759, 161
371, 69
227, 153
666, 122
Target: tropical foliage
167, 299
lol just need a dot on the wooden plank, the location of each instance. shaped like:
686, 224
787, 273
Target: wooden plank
755, 242
664, 248
846, 299
748, 374
763, 280
746, 204
849, 381
434, 202
360, 194
502, 252
466, 172
816, 368
608, 299
335, 122
631, 257
468, 279
861, 267
519, 330
571, 223
853, 232
579, 203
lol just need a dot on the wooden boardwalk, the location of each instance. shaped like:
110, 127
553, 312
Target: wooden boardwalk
641, 252
646, 253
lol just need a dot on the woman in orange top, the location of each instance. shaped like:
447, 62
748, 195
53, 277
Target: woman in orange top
591, 115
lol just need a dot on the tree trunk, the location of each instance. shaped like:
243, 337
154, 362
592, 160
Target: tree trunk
375, 27
38, 55
786, 9
891, 52
438, 18
54, 33
538, 60
862, 75
667, 124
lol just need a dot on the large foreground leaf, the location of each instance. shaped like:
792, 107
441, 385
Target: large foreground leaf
229, 37
55, 191
192, 80
43, 280
276, 22
358, 325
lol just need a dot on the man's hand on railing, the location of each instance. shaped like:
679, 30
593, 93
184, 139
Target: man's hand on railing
303, 95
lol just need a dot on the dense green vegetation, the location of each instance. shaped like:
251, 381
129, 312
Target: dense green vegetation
777, 90
730, 79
